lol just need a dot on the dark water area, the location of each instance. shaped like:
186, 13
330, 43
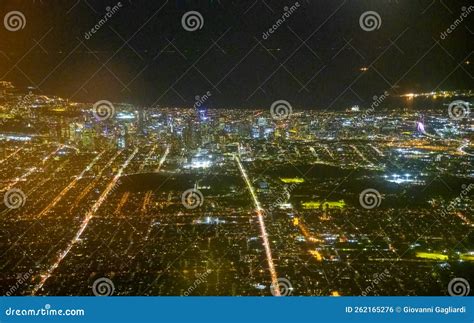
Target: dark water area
322, 182
316, 171
348, 183
177, 182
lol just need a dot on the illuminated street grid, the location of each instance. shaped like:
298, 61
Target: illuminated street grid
280, 200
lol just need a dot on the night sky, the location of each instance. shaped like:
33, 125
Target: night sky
143, 55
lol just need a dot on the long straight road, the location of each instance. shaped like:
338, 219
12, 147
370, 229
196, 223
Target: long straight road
263, 230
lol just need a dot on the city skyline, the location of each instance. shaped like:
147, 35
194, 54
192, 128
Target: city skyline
299, 203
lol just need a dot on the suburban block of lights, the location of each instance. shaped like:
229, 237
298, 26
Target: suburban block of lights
157, 198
